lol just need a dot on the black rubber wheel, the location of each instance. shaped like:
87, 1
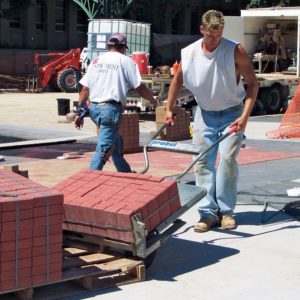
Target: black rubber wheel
68, 80
293, 209
149, 259
271, 99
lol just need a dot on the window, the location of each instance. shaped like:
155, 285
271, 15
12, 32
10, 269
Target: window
82, 20
15, 19
40, 15
15, 22
60, 10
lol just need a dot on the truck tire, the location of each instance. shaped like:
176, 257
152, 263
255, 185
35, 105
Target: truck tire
68, 80
293, 209
271, 99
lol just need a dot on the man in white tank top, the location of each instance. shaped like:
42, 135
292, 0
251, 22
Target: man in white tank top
211, 68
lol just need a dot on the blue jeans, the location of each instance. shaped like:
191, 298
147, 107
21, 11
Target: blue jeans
221, 183
107, 117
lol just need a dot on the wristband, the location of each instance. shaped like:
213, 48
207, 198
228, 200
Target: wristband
82, 113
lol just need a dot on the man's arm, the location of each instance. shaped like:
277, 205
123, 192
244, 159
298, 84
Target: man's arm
146, 93
175, 87
245, 69
83, 97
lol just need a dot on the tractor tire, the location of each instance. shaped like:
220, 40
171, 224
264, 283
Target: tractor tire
68, 80
271, 99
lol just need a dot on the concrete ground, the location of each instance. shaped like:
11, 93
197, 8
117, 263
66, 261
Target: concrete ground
255, 261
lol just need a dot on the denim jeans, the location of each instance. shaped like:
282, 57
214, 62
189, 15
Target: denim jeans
107, 116
221, 183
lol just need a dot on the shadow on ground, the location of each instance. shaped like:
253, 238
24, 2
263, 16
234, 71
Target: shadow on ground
47, 152
180, 256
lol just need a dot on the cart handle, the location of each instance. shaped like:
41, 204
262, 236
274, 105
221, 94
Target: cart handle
146, 147
229, 132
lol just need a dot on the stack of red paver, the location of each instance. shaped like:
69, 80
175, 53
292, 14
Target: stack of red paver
31, 218
102, 203
129, 130
181, 128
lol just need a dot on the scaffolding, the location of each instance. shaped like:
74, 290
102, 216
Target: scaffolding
104, 8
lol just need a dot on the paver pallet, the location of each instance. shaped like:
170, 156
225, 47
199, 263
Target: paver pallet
90, 269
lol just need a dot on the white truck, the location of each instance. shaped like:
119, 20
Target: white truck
159, 84
258, 29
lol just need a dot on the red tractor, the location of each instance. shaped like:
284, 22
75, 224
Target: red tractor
61, 71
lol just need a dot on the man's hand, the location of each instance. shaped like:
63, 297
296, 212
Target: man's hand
240, 123
78, 122
169, 118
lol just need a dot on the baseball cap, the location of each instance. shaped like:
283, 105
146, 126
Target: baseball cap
117, 39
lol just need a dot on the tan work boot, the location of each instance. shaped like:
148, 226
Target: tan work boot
205, 225
228, 222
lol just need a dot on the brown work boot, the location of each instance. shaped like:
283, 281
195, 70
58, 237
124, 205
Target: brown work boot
205, 225
228, 222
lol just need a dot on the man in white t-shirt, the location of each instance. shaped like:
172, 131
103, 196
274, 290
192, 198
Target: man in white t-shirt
105, 85
211, 68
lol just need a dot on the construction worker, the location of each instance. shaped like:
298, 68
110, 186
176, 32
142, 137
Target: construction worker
211, 68
106, 83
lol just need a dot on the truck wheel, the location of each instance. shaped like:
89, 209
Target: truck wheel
293, 209
68, 80
271, 99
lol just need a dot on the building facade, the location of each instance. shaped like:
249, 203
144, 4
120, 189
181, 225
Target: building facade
62, 24
52, 25
58, 25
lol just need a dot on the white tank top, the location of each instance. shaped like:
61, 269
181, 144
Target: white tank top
211, 77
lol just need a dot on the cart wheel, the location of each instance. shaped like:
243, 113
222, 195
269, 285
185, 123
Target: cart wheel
149, 259
293, 209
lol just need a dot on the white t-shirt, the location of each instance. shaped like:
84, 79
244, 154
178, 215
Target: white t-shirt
211, 77
110, 76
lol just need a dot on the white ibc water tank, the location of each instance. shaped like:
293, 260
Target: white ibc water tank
99, 30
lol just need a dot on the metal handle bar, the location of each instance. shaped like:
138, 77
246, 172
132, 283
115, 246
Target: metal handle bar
147, 146
229, 132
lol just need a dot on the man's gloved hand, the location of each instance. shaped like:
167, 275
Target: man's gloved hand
81, 113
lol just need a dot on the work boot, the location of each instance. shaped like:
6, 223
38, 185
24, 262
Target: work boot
228, 222
205, 225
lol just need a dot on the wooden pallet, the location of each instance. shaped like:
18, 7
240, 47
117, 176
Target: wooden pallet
88, 269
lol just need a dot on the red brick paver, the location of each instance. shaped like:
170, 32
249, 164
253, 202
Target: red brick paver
31, 218
102, 203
